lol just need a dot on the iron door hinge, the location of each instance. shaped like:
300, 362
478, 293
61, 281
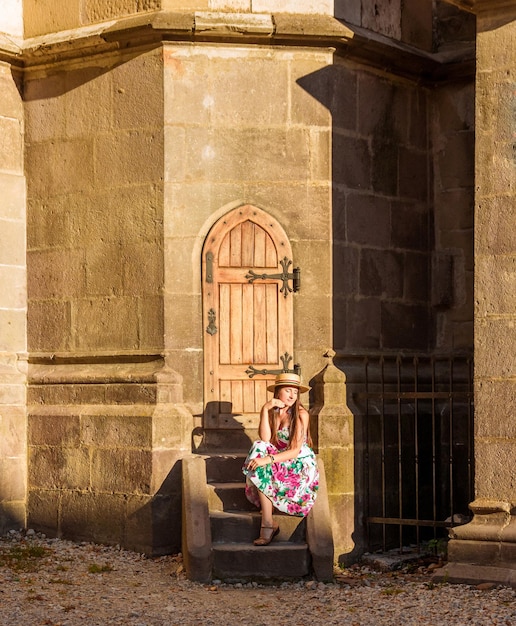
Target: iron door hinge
285, 276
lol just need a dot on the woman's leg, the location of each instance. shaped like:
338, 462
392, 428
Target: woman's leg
266, 506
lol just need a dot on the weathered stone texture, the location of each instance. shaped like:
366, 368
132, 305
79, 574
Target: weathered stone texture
95, 223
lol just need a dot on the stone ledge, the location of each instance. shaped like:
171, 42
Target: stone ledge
469, 574
153, 29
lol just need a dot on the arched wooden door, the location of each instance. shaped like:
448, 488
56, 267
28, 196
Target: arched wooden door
248, 321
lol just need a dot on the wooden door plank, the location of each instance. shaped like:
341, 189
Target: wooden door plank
247, 244
235, 314
271, 255
224, 324
271, 315
259, 327
247, 323
223, 255
259, 246
235, 254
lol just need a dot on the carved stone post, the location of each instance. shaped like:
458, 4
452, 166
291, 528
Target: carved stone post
332, 430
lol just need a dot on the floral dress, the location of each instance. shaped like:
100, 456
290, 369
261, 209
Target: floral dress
290, 485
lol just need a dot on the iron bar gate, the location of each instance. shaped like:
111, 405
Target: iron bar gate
414, 442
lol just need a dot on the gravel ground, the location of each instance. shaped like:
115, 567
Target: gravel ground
58, 583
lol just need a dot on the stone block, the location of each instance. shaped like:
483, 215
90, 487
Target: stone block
285, 202
54, 429
346, 261
491, 233
368, 220
166, 470
495, 297
494, 342
184, 321
419, 104
413, 174
13, 329
128, 157
172, 430
454, 105
56, 273
49, 325
352, 171
11, 145
44, 16
191, 207
381, 273
247, 154
479, 552
316, 87
95, 517
456, 160
88, 101
106, 323
12, 394
339, 463
13, 288
312, 328
190, 364
363, 323
415, 280
383, 110
13, 476
98, 10
335, 430
236, 97
409, 225
314, 257
417, 24
127, 393
405, 326
495, 407
60, 167
123, 471
13, 196
153, 525
151, 323
142, 270
43, 508
492, 458
138, 92
52, 467
12, 516
384, 19
11, 105
45, 111
49, 224
116, 432
102, 270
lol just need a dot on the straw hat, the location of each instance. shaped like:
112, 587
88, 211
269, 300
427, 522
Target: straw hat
286, 379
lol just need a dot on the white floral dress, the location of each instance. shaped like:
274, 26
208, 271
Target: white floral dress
290, 485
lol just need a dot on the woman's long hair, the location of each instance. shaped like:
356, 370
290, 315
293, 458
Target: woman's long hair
296, 430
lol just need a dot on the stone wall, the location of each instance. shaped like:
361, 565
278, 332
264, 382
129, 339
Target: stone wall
381, 213
242, 128
106, 427
453, 139
13, 304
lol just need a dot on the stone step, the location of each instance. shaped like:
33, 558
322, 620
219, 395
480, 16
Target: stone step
228, 497
224, 468
239, 527
280, 560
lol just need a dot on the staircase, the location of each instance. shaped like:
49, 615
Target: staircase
219, 525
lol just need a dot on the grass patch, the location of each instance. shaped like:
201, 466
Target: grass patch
94, 568
22, 558
391, 591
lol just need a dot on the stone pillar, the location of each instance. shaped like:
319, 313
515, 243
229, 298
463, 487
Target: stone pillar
332, 431
13, 302
485, 549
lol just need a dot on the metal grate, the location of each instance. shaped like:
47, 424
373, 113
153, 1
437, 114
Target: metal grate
414, 443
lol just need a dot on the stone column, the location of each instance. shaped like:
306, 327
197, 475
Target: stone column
13, 290
485, 549
332, 425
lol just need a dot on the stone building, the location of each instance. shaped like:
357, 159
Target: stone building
156, 154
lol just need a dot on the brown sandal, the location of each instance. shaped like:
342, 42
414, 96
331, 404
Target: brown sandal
263, 540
